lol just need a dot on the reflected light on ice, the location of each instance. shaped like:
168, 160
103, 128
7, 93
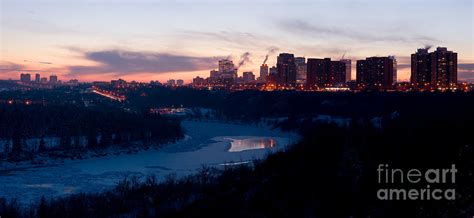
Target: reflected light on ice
251, 144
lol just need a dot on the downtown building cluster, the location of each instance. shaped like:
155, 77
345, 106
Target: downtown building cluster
435, 70
290, 72
26, 79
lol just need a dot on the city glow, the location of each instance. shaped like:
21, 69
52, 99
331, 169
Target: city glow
108, 39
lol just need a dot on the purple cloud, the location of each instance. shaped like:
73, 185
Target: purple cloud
121, 62
297, 26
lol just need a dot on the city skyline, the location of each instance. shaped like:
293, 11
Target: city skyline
91, 41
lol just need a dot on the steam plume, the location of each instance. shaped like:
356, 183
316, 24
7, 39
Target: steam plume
428, 47
271, 51
244, 58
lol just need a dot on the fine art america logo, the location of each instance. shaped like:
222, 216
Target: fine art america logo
398, 184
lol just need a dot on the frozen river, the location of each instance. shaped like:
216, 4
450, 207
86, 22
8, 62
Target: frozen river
211, 144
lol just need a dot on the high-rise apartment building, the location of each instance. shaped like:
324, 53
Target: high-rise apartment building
437, 69
325, 73
375, 73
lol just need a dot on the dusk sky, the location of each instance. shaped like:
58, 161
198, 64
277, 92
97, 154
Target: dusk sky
147, 40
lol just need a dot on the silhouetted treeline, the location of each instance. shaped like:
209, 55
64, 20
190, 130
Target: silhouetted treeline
332, 172
252, 105
79, 127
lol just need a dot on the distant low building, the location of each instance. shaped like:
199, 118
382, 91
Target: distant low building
53, 79
171, 82
248, 77
73, 82
272, 78
100, 83
199, 81
214, 74
120, 83
25, 77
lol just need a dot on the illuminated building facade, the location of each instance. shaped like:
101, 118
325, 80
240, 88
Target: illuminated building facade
300, 70
348, 65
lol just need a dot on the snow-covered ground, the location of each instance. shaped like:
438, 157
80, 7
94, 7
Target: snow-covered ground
211, 144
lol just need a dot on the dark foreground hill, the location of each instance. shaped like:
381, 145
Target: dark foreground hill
332, 172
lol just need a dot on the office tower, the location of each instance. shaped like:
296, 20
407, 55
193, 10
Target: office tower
179, 82
286, 69
375, 73
394, 80
263, 72
44, 80
227, 69
300, 70
37, 77
25, 77
435, 69
248, 77
53, 79
348, 64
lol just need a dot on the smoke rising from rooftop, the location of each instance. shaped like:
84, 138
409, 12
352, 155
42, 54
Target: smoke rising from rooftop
271, 51
428, 47
244, 58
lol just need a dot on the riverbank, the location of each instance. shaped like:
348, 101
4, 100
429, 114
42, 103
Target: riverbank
206, 144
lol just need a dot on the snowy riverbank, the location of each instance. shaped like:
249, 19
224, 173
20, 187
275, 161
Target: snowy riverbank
211, 144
